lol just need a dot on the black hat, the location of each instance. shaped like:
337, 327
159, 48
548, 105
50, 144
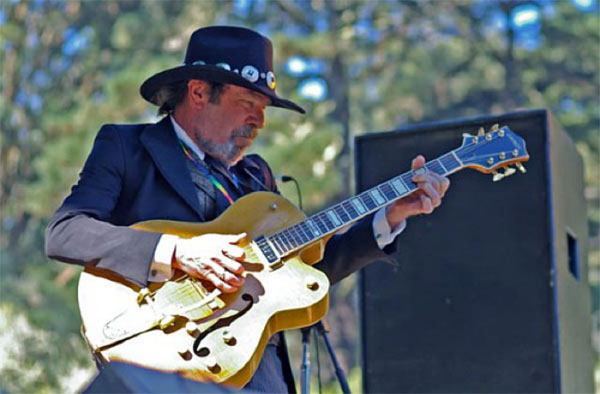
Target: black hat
226, 54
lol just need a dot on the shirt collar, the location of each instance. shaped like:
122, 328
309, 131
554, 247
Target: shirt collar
185, 138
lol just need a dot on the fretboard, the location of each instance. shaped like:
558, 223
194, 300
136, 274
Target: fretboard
349, 211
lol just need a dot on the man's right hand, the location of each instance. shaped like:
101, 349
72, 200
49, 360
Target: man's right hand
214, 257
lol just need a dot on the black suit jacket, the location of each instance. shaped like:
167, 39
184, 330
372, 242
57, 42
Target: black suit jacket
138, 172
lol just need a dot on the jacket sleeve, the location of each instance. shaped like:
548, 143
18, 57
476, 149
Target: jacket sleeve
81, 232
348, 252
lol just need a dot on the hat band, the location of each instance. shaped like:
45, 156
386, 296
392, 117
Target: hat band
248, 72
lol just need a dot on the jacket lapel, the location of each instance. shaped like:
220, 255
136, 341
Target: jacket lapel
161, 143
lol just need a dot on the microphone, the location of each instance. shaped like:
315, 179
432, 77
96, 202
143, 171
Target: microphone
288, 178
284, 178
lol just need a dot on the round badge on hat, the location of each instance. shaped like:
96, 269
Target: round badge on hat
271, 82
250, 73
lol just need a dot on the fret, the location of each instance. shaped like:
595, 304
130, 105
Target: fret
320, 222
285, 242
328, 224
339, 209
449, 162
289, 238
360, 207
306, 231
350, 209
435, 166
273, 240
306, 237
313, 227
399, 186
407, 178
377, 196
297, 235
388, 191
334, 218
301, 236
368, 201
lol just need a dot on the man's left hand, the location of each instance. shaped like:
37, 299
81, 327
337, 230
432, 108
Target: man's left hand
431, 190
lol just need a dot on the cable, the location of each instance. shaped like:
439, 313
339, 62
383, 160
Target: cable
286, 178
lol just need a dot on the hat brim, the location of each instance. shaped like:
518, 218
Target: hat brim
211, 73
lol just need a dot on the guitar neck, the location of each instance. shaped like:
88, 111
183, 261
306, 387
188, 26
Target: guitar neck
353, 209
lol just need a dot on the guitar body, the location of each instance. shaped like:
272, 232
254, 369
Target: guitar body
188, 327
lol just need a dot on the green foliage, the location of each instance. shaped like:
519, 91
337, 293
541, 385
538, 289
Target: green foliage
69, 67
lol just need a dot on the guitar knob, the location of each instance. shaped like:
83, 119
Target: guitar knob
192, 329
143, 293
166, 321
185, 353
312, 284
211, 364
228, 338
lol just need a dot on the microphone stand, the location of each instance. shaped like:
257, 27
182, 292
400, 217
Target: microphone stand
321, 329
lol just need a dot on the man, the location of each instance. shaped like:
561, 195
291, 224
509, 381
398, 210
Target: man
190, 166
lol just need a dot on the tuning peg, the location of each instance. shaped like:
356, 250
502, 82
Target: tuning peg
481, 131
520, 167
495, 127
467, 135
497, 176
508, 171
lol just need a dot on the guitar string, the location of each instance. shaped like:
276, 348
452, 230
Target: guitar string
340, 206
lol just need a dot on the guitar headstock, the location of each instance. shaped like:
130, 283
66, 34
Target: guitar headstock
491, 151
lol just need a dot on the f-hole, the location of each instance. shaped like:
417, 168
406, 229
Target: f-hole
204, 351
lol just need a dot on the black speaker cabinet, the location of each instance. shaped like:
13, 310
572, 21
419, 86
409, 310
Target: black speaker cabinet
491, 291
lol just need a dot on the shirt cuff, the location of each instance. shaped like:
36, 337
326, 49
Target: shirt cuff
160, 269
384, 235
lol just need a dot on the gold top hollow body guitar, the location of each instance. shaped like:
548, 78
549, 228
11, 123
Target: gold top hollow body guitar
187, 326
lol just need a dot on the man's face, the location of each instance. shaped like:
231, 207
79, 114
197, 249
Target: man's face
229, 126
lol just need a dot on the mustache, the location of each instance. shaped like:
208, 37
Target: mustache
247, 131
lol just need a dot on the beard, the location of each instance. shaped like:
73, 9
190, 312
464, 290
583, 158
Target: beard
228, 153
